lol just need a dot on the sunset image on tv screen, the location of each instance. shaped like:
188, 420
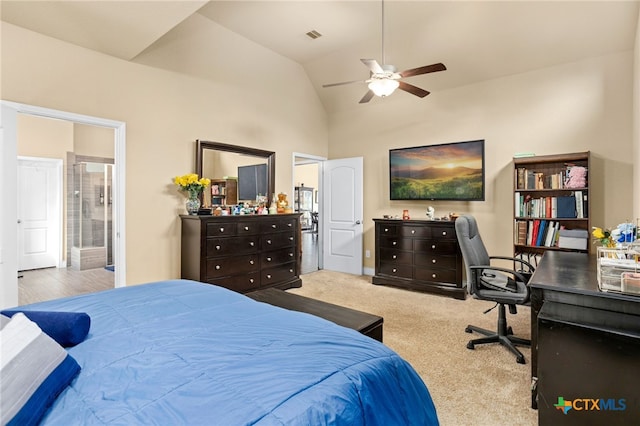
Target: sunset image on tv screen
452, 171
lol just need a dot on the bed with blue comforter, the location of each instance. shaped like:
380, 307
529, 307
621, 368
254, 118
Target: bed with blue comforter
180, 352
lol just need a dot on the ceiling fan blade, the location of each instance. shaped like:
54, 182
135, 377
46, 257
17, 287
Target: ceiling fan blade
367, 97
373, 66
343, 83
423, 70
414, 90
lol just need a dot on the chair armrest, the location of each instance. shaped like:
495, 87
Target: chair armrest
516, 274
515, 259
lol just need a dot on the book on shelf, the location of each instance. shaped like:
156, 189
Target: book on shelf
566, 207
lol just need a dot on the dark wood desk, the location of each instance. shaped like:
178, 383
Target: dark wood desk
583, 340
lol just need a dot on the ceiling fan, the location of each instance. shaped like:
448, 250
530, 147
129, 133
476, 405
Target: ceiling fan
385, 79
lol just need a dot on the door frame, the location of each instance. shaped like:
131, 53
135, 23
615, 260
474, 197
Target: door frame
8, 217
309, 158
60, 263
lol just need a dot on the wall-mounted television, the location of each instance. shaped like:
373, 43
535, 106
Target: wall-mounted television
450, 171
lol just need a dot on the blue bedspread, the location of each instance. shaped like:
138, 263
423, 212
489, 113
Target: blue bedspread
184, 353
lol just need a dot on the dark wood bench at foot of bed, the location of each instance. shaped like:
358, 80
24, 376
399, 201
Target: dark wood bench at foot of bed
367, 324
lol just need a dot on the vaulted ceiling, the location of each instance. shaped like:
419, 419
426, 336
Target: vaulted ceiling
476, 40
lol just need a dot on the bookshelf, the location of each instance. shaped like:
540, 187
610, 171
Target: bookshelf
224, 192
551, 208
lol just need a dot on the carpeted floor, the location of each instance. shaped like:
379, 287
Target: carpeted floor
484, 386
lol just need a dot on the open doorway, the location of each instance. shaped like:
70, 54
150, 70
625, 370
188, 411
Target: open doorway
11, 112
307, 196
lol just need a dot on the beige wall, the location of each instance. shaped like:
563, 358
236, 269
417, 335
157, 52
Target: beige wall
165, 112
636, 122
582, 106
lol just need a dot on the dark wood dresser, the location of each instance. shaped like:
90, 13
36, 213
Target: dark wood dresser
420, 255
242, 253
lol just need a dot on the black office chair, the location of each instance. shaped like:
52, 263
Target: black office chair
506, 287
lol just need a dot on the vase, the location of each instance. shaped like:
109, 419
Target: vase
193, 203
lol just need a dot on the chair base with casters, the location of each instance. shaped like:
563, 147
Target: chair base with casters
504, 335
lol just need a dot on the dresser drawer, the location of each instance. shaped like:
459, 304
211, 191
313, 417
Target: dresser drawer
233, 265
276, 225
396, 270
398, 243
396, 256
247, 228
385, 229
435, 246
232, 246
218, 229
443, 232
435, 261
437, 275
240, 283
277, 257
278, 240
415, 231
279, 273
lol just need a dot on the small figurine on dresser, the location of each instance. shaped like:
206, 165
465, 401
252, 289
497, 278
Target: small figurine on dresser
431, 213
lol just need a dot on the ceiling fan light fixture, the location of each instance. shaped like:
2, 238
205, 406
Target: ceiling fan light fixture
383, 86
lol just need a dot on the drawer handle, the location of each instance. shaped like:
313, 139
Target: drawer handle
218, 266
290, 254
217, 247
221, 229
251, 262
268, 276
290, 238
444, 233
251, 244
394, 257
433, 260
433, 246
268, 259
268, 241
394, 243
274, 226
251, 280
394, 270
289, 225
246, 228
291, 270
413, 231
433, 275
386, 229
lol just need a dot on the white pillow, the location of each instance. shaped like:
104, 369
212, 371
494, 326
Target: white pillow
34, 370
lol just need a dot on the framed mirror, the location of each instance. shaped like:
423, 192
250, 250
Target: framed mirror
254, 169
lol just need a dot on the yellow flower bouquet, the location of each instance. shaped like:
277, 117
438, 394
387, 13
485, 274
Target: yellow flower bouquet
194, 186
603, 236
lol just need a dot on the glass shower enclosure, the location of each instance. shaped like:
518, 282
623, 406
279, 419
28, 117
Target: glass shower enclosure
90, 216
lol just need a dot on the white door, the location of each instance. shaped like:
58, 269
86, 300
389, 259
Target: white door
39, 212
342, 188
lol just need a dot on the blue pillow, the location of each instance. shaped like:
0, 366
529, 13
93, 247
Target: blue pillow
34, 369
66, 328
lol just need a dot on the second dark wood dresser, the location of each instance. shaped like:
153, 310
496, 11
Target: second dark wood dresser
243, 253
420, 255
